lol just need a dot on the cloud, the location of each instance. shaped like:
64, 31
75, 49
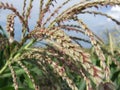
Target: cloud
114, 12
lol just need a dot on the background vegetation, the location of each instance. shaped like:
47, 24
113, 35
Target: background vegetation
48, 58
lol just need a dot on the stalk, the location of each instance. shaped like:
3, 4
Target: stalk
4, 67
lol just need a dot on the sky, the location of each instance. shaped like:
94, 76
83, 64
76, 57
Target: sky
95, 23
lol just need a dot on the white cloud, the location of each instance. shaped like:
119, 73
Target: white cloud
115, 8
114, 12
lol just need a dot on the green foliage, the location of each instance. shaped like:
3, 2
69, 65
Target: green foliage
61, 62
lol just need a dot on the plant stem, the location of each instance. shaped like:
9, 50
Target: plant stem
5, 66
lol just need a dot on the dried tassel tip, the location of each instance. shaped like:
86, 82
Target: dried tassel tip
10, 27
14, 77
61, 71
29, 74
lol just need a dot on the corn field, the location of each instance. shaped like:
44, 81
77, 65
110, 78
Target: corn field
58, 61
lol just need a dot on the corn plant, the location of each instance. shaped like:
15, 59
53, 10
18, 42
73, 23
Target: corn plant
59, 58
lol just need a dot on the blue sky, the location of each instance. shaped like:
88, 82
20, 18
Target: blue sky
97, 24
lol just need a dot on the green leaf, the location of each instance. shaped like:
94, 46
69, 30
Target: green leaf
3, 32
7, 88
82, 85
1, 28
18, 72
28, 81
12, 88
